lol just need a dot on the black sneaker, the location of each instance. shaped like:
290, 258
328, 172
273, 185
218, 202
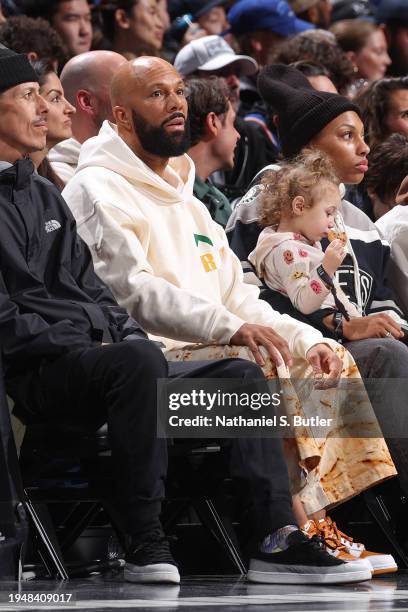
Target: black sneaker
305, 561
150, 560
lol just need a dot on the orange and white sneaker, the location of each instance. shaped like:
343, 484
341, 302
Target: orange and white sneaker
333, 547
381, 563
335, 539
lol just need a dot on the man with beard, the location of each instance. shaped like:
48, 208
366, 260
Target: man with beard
132, 196
86, 80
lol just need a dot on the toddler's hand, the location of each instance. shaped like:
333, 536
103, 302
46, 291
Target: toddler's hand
334, 255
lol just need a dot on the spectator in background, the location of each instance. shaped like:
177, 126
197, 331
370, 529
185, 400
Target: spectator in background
212, 56
365, 45
86, 81
394, 15
70, 18
394, 227
319, 47
164, 14
59, 119
210, 15
34, 37
134, 27
260, 25
318, 76
387, 167
199, 18
384, 108
213, 139
317, 12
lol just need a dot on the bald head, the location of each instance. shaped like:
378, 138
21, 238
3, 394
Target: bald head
86, 80
150, 108
92, 71
137, 73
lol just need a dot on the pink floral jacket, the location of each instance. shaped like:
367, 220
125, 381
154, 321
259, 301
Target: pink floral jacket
288, 263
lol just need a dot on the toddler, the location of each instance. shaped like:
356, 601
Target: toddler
299, 206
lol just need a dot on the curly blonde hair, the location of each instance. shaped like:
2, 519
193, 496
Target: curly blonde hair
295, 178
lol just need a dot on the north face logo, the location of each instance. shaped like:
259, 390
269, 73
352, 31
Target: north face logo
52, 225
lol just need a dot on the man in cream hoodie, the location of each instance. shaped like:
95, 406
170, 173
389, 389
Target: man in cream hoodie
163, 256
156, 244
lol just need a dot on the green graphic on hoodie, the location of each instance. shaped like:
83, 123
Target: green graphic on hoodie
200, 238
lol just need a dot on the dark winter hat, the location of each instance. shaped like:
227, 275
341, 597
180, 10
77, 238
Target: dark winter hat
303, 111
14, 69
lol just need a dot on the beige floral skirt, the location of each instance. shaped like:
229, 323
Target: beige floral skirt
324, 471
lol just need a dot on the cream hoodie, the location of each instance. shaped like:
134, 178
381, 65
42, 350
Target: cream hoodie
155, 245
64, 158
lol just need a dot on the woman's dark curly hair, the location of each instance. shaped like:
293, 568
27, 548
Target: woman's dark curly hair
319, 47
374, 103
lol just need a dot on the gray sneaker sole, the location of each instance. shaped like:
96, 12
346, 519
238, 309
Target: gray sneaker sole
269, 573
155, 573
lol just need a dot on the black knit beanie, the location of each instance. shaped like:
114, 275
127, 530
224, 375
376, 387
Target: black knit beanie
303, 111
14, 69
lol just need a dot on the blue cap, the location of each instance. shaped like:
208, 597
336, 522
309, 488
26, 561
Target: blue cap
391, 10
273, 15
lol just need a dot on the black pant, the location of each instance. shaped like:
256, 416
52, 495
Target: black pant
117, 383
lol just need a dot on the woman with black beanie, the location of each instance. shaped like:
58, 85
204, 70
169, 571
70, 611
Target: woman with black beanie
331, 123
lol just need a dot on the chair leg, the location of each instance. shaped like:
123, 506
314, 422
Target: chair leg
222, 530
379, 511
77, 522
44, 533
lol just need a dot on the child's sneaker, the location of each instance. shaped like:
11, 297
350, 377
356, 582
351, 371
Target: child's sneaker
329, 532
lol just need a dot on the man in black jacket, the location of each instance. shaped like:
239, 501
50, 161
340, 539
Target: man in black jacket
69, 349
